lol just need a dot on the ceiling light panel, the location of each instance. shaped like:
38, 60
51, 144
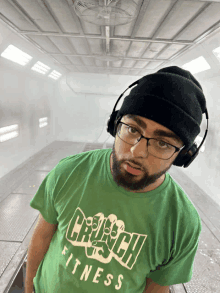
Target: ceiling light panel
8, 132
197, 65
55, 74
16, 55
40, 67
216, 52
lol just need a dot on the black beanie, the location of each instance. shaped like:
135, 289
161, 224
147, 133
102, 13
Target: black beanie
171, 97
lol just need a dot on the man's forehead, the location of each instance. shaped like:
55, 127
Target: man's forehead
160, 129
145, 121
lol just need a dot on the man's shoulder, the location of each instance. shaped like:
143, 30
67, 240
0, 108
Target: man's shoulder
185, 207
67, 164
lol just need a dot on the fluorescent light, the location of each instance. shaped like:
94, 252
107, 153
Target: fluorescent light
55, 74
16, 55
197, 65
40, 67
8, 128
8, 132
43, 122
8, 136
216, 52
43, 119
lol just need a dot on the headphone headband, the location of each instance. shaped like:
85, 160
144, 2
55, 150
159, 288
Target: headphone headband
185, 157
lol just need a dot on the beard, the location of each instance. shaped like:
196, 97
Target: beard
129, 181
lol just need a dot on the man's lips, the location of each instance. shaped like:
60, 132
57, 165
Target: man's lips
132, 170
133, 166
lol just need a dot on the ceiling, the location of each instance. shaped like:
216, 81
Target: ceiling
161, 31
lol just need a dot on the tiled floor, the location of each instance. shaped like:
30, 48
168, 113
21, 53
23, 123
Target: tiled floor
18, 187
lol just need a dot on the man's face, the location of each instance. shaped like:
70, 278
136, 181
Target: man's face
152, 169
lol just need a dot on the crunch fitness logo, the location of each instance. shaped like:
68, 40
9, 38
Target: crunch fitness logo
105, 238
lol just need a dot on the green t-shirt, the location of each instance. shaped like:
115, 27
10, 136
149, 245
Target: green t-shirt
109, 239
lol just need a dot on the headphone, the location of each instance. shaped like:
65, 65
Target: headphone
184, 158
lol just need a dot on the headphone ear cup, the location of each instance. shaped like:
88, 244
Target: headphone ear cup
111, 123
185, 157
180, 159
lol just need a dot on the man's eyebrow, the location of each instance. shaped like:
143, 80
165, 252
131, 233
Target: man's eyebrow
157, 132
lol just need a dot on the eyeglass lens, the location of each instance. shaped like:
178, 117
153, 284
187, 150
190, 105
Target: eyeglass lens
157, 148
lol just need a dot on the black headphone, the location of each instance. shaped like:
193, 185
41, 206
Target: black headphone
185, 157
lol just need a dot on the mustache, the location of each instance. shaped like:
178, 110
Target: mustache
134, 164
127, 160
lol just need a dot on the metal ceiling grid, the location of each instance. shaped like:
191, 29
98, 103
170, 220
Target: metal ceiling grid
81, 45
169, 51
38, 13
153, 14
184, 13
96, 46
128, 63
63, 15
206, 18
136, 49
89, 62
153, 65
62, 59
99, 63
45, 43
63, 44
10, 12
162, 30
90, 29
123, 30
155, 17
116, 64
119, 47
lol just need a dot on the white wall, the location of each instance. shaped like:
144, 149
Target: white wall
26, 96
81, 116
205, 169
24, 99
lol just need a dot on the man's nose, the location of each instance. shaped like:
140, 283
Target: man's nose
140, 149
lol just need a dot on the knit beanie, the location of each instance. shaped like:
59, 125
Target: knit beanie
171, 97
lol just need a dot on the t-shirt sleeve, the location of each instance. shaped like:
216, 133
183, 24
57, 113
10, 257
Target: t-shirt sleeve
44, 198
179, 268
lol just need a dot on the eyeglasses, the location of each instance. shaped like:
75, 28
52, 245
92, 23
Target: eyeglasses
157, 148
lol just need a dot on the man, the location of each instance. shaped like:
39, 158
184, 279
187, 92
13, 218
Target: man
115, 220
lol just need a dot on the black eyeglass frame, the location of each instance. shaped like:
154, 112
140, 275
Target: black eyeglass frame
141, 136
